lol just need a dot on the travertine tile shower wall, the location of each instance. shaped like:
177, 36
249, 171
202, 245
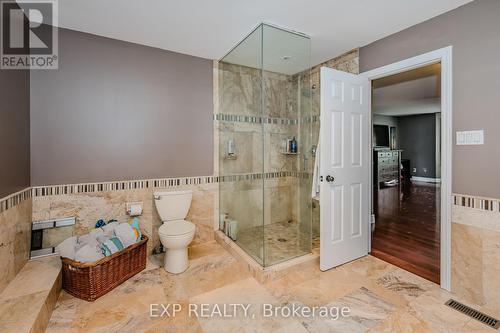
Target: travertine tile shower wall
259, 137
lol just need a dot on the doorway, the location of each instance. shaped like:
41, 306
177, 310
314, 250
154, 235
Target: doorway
346, 159
406, 127
415, 196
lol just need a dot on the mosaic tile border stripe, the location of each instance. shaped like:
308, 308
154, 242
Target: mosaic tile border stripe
267, 175
14, 199
41, 191
492, 205
265, 120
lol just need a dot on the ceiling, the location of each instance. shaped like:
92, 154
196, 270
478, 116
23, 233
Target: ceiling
274, 50
210, 28
412, 92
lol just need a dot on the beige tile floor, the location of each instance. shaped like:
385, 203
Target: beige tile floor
381, 298
282, 241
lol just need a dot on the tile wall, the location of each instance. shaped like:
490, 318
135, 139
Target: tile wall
15, 220
475, 250
258, 136
91, 202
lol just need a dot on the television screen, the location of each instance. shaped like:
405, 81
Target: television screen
380, 136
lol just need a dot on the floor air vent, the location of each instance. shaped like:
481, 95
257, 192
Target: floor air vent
484, 318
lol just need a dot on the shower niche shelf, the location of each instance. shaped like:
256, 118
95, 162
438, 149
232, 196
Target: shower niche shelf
290, 153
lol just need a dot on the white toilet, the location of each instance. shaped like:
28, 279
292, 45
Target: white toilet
175, 232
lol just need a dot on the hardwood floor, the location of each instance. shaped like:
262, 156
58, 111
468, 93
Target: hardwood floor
407, 228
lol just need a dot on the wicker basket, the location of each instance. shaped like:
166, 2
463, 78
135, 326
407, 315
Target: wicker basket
89, 281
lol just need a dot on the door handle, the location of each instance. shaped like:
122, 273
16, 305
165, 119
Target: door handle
329, 179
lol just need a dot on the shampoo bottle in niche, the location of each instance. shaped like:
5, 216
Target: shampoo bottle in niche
286, 145
293, 146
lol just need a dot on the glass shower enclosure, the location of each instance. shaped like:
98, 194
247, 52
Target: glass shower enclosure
265, 158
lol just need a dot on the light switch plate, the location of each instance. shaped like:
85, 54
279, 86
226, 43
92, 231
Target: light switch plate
470, 137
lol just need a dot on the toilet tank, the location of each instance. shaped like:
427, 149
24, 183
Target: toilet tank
173, 205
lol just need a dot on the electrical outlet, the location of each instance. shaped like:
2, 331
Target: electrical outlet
414, 170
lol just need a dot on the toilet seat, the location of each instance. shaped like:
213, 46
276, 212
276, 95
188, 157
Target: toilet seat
176, 228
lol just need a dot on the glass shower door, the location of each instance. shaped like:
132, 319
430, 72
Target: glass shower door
286, 109
241, 145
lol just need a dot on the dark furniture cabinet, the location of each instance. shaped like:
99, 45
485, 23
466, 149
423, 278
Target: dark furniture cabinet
386, 166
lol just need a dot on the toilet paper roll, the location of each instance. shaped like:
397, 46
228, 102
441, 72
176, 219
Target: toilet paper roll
135, 210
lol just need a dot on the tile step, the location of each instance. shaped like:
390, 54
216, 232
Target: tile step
26, 304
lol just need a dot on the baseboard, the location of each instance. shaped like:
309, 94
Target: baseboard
425, 179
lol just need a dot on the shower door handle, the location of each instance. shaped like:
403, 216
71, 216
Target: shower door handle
329, 179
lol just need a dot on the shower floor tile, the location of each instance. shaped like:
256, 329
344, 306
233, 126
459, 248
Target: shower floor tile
282, 241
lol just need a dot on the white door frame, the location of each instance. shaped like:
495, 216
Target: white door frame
444, 56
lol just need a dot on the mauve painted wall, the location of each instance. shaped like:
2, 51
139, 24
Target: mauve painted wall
116, 111
474, 32
14, 131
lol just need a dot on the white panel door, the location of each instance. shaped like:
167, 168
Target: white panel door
344, 168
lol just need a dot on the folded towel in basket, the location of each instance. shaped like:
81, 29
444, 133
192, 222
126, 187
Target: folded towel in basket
109, 229
103, 238
126, 234
89, 253
88, 239
109, 239
67, 248
112, 245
